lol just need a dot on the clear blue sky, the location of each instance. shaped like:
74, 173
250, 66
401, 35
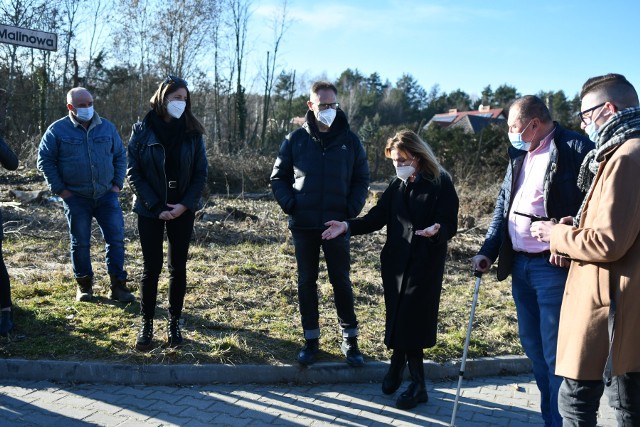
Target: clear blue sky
465, 44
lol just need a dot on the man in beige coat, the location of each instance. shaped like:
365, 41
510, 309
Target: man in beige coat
599, 335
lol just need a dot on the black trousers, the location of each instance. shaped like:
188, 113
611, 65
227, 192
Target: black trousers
579, 400
5, 286
337, 256
179, 233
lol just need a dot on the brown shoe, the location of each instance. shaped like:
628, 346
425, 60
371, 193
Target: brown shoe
119, 290
84, 291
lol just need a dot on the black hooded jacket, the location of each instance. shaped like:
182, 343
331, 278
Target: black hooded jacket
320, 176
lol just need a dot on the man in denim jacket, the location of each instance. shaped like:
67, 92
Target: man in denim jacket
84, 162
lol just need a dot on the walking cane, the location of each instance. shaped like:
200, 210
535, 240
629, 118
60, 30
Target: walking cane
478, 275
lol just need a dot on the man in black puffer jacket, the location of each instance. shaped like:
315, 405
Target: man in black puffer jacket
322, 174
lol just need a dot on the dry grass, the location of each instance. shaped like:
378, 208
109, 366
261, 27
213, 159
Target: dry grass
241, 304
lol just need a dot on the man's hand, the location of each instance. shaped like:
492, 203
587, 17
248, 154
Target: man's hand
481, 263
65, 194
429, 231
559, 261
541, 230
335, 229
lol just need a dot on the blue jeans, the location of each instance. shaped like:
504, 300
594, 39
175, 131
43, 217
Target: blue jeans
579, 400
537, 288
108, 214
336, 253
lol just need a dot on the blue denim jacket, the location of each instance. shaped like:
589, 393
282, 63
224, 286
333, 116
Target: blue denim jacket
87, 162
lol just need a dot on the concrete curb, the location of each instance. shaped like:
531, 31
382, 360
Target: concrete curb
96, 372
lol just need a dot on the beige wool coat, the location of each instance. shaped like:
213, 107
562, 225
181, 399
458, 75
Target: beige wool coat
605, 250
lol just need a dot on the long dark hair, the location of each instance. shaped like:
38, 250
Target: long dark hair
167, 87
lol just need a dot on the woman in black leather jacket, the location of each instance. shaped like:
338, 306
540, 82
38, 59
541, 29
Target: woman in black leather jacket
167, 169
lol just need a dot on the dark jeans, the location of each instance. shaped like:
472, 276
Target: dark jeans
5, 287
336, 253
106, 210
179, 232
579, 400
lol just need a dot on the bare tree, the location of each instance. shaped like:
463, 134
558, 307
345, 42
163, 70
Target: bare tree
279, 26
240, 20
70, 10
184, 29
18, 13
133, 37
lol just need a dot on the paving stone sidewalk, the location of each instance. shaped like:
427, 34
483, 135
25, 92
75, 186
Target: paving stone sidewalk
486, 401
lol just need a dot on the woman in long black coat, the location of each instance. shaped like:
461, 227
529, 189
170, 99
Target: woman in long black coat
420, 210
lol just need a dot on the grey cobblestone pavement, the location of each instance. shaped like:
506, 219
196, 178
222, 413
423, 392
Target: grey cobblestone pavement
485, 401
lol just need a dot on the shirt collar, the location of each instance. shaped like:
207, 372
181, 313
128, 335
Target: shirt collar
546, 140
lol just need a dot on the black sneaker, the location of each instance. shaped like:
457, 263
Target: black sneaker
307, 355
145, 335
174, 335
349, 348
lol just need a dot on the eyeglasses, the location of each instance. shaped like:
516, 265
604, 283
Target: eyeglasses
175, 80
333, 105
585, 115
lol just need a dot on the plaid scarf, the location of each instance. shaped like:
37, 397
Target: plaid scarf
622, 126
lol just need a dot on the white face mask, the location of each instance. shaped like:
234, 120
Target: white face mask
404, 172
327, 116
84, 114
176, 108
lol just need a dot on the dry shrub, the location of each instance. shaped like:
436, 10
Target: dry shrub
245, 171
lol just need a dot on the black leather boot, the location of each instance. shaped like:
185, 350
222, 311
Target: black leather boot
393, 379
145, 335
416, 392
174, 334
351, 351
307, 354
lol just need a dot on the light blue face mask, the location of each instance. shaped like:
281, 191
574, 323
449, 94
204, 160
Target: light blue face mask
516, 140
591, 130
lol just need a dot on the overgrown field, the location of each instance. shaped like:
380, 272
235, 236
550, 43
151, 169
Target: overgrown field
241, 304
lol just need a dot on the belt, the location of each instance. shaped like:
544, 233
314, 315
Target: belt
543, 254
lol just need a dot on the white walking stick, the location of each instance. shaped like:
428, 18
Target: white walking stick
478, 275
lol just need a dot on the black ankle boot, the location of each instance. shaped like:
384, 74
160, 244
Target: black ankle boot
416, 392
351, 351
145, 335
307, 354
393, 379
174, 335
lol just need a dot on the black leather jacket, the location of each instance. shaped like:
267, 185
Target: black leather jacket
146, 174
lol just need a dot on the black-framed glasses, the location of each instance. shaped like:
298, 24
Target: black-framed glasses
585, 115
333, 105
176, 80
